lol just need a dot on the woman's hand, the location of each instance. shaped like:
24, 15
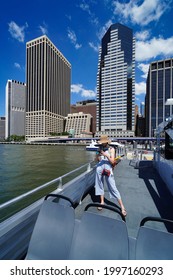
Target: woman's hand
110, 157
104, 153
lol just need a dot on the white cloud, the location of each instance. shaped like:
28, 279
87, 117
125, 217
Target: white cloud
76, 88
16, 31
95, 48
140, 88
43, 28
143, 35
94, 21
137, 98
17, 65
78, 46
144, 68
104, 29
153, 48
86, 8
73, 38
142, 14
79, 89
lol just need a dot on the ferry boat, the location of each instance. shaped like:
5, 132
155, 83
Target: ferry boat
92, 146
66, 224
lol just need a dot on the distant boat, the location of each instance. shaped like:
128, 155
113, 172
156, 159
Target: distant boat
93, 146
116, 144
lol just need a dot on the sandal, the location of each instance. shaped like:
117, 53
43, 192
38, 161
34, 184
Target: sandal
100, 208
124, 212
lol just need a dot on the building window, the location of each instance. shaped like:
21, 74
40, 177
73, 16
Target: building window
168, 63
153, 66
160, 65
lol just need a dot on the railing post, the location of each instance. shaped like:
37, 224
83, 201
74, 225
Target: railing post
141, 155
89, 167
60, 184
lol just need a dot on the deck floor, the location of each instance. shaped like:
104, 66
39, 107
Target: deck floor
143, 193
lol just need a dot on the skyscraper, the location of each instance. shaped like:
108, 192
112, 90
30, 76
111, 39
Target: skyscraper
116, 82
48, 76
142, 109
15, 108
159, 89
2, 128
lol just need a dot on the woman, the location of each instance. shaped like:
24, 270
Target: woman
106, 161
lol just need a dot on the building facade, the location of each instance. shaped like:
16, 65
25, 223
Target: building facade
159, 89
80, 123
142, 109
116, 82
87, 107
48, 76
15, 104
2, 128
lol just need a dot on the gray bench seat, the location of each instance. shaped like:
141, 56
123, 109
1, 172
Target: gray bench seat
99, 237
153, 244
52, 235
58, 235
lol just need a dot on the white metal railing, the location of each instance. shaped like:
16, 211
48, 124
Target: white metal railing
59, 179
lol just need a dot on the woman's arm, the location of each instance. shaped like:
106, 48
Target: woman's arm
97, 157
111, 156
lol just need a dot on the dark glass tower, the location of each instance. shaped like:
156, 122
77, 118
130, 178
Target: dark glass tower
159, 89
116, 81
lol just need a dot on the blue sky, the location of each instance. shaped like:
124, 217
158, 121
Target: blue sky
76, 28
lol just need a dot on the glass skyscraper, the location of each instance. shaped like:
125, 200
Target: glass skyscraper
48, 76
142, 109
159, 89
116, 82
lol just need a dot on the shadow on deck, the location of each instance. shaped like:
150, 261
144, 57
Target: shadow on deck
143, 193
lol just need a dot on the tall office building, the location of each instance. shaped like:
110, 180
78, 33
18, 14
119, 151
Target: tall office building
142, 109
48, 76
2, 128
116, 82
159, 89
15, 108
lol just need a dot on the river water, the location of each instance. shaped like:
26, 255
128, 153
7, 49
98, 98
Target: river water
25, 167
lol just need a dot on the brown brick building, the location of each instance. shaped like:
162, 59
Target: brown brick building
87, 107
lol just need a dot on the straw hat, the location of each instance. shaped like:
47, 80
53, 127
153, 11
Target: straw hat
104, 139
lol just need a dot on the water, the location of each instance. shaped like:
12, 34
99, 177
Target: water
25, 167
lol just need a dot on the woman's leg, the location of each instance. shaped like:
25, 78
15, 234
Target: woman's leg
115, 193
99, 186
123, 209
102, 199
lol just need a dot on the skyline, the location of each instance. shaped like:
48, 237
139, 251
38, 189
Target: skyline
76, 29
